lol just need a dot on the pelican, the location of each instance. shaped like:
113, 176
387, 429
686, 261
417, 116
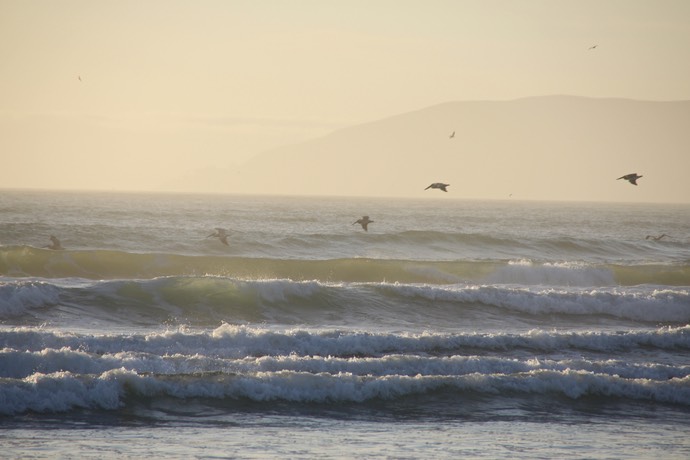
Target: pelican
656, 238
439, 185
56, 246
364, 221
632, 178
221, 234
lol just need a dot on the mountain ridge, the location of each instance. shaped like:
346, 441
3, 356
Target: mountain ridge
555, 147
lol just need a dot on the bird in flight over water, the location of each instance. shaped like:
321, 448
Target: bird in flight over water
632, 178
438, 185
656, 238
221, 234
55, 245
364, 222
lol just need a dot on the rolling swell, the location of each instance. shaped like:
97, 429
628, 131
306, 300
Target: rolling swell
207, 300
24, 261
99, 264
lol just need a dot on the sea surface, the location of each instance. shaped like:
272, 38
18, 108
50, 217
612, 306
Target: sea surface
449, 329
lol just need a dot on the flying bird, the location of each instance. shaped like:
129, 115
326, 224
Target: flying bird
364, 222
439, 185
656, 238
593, 47
55, 245
632, 178
452, 135
221, 234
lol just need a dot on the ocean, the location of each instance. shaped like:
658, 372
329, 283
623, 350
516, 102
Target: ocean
450, 329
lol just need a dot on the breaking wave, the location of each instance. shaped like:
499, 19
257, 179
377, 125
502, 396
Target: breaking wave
209, 299
57, 372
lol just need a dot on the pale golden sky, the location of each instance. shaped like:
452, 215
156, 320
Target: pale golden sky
169, 86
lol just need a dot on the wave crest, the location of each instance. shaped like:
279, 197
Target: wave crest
109, 265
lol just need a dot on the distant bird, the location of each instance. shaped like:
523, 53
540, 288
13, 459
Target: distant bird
593, 47
632, 178
221, 234
55, 245
364, 222
452, 135
79, 77
439, 185
656, 238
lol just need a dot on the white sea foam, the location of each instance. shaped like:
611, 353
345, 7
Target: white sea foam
18, 297
238, 342
63, 391
479, 303
638, 302
20, 364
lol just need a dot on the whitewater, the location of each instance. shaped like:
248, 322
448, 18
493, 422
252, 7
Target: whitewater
450, 329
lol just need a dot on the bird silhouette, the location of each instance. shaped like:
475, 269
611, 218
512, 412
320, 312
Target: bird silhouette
656, 238
55, 244
632, 178
438, 185
364, 222
221, 234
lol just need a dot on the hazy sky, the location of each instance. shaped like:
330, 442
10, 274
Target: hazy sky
131, 94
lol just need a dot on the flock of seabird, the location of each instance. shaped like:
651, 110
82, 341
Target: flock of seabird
222, 234
632, 178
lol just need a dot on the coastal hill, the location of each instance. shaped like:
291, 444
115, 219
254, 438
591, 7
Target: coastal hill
551, 147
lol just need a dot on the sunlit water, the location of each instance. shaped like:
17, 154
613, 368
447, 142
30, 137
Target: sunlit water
451, 329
